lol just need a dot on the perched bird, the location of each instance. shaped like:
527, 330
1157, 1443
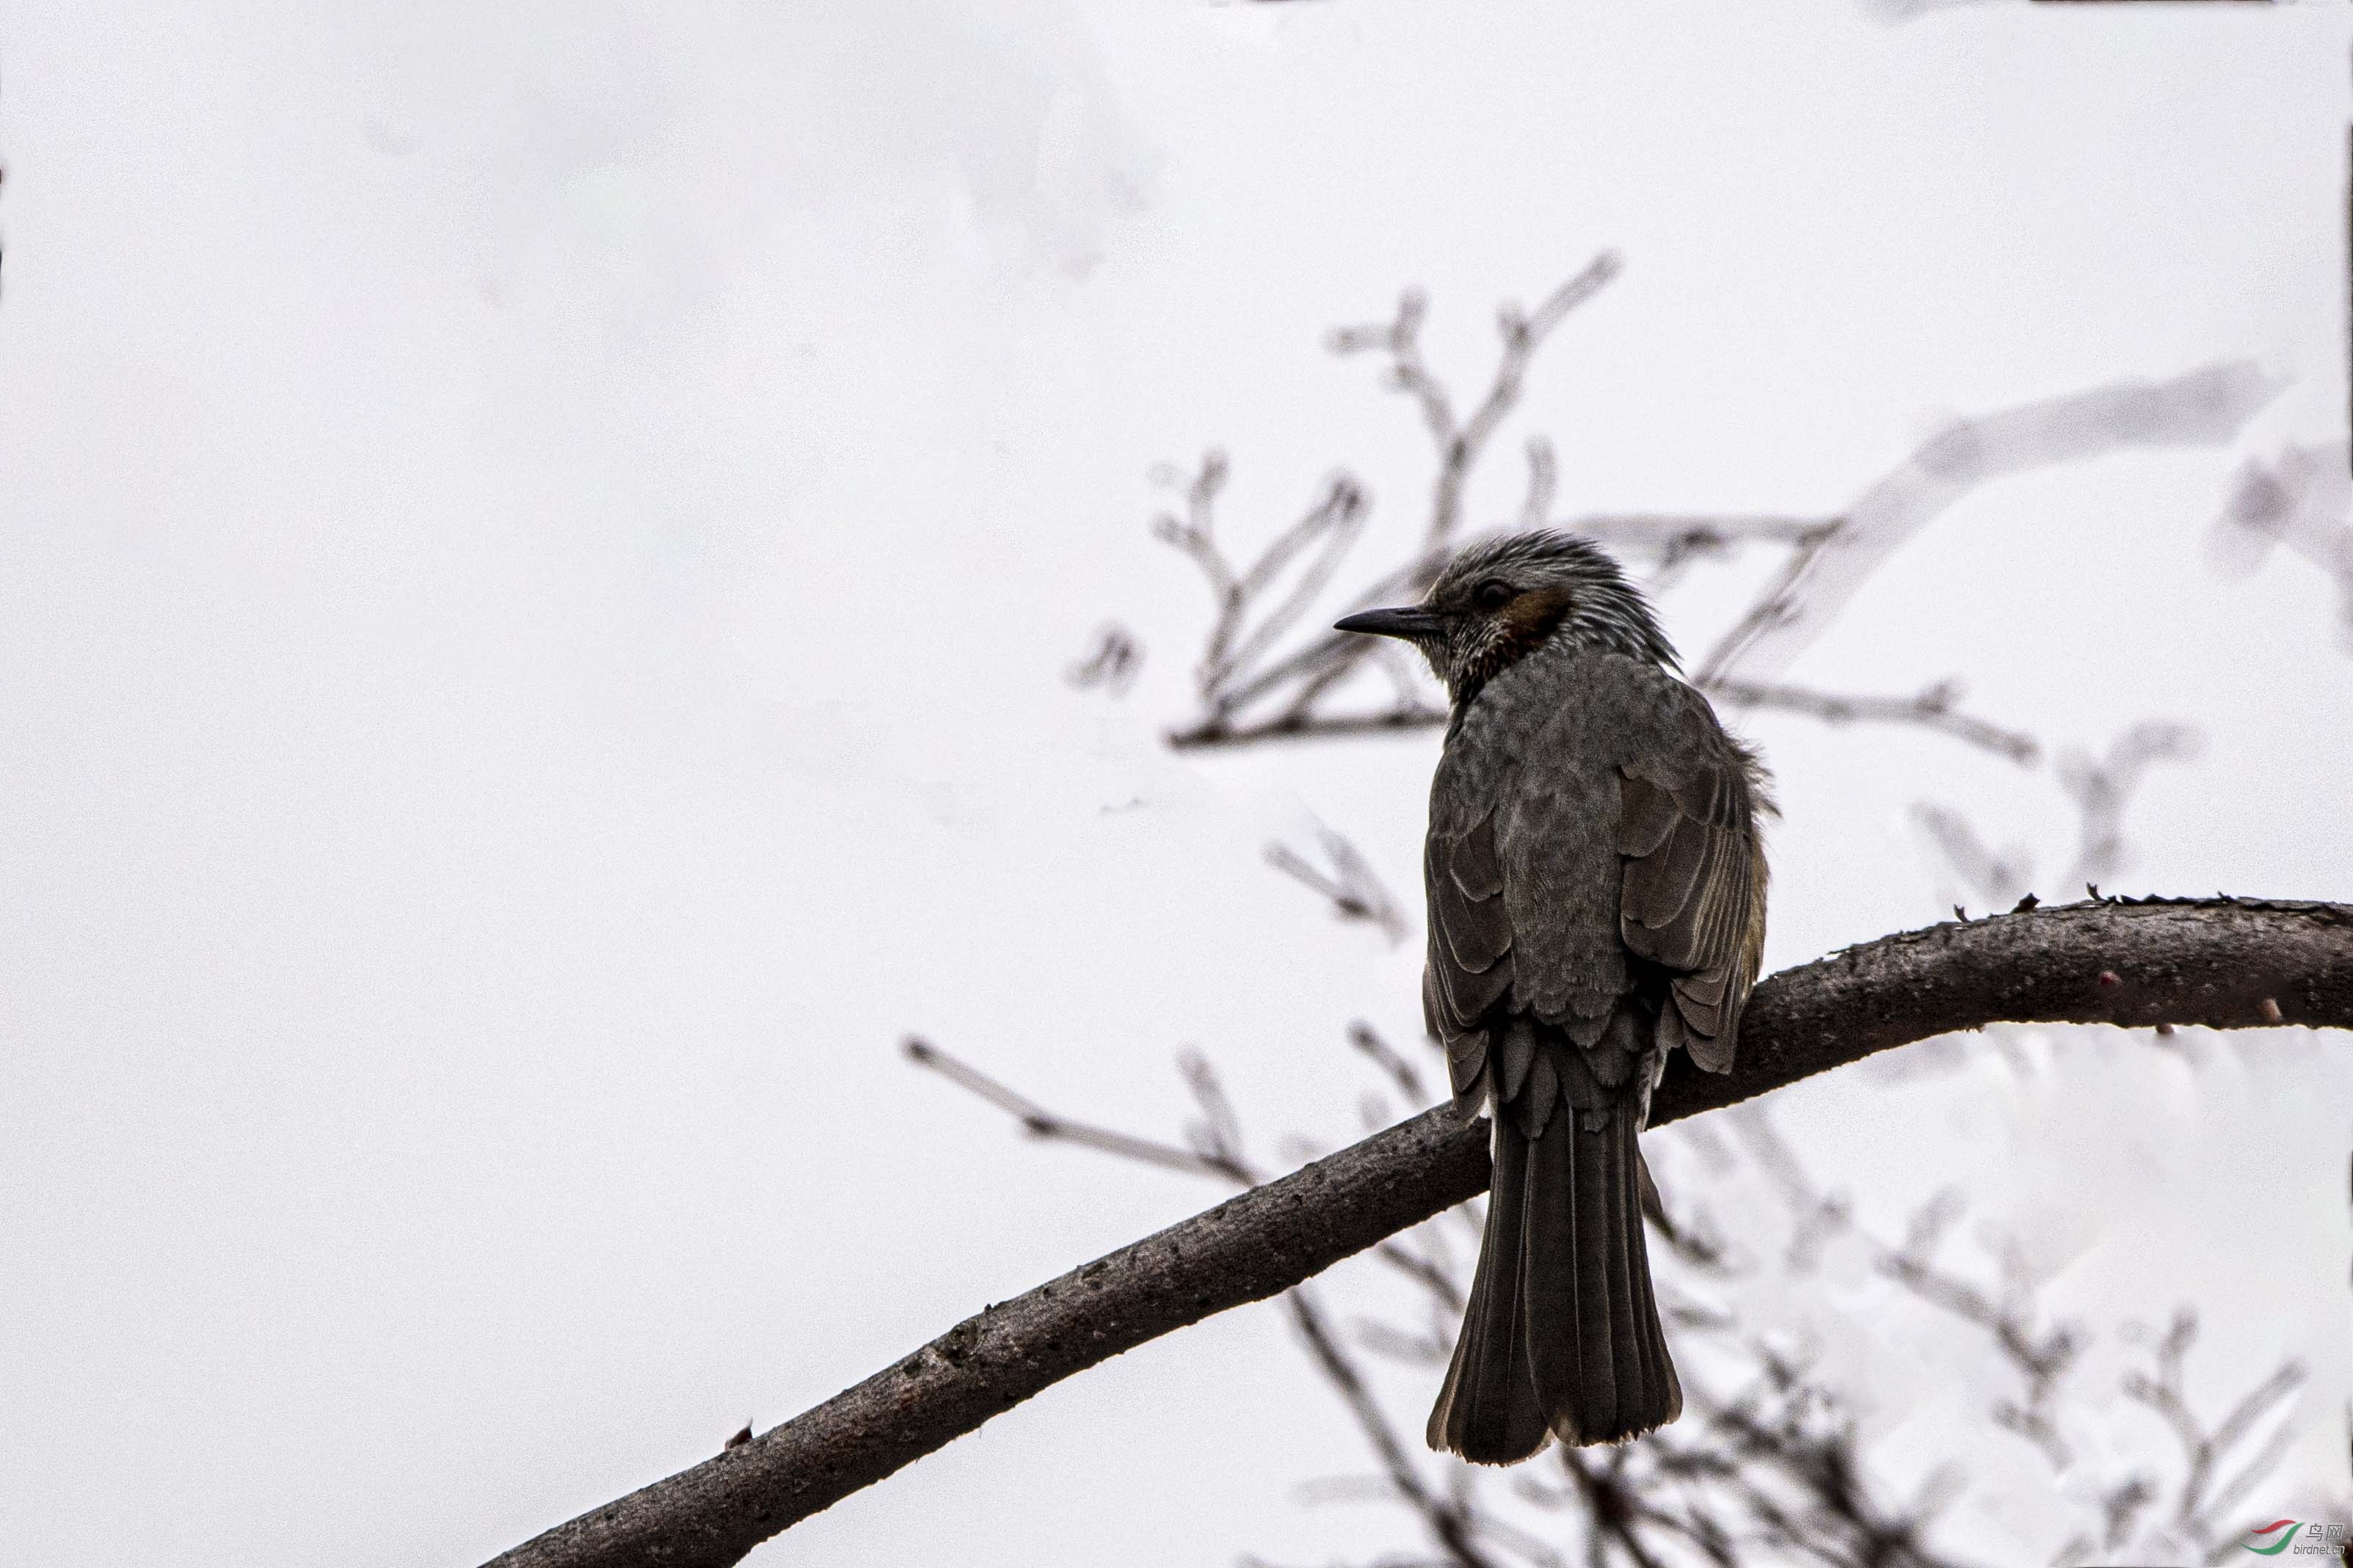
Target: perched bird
1597, 898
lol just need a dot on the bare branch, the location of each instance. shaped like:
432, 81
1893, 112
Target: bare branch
1444, 1515
1113, 664
1665, 537
1248, 697
2041, 1357
1400, 339
1354, 887
1460, 444
1323, 536
1216, 1142
1302, 727
2205, 407
1996, 876
1332, 526
1040, 1122
1778, 604
1543, 478
1227, 681
2103, 787
1385, 1057
2215, 963
1932, 709
2302, 501
2198, 1515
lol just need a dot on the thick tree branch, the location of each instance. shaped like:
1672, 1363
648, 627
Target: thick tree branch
2221, 962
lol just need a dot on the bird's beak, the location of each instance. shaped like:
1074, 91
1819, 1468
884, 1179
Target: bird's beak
1411, 624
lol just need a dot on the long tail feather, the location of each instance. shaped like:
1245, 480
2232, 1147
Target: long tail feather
1487, 1411
1562, 1336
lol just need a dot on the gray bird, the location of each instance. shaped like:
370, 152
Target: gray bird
1597, 898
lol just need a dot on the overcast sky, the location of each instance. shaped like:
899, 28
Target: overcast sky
538, 545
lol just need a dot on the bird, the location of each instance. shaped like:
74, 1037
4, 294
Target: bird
1596, 883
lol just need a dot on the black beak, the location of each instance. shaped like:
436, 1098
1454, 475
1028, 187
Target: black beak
1411, 624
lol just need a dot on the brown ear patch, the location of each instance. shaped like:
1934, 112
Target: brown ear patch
1520, 627
1528, 618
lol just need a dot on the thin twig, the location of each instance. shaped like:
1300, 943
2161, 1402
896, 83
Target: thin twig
1353, 887
1930, 709
1039, 1122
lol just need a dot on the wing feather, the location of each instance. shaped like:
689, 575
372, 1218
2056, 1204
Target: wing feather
1693, 899
1473, 864
1470, 968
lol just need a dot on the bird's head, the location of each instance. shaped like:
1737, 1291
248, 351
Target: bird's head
1502, 598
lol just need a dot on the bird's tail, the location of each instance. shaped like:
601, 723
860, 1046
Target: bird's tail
1562, 1335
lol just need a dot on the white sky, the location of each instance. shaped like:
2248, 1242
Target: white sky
537, 546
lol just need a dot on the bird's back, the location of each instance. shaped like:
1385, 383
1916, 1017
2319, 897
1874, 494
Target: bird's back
1538, 759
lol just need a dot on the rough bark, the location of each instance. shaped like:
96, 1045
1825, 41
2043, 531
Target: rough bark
2221, 962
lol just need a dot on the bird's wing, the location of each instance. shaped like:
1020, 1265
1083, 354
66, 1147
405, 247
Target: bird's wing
1694, 891
1469, 963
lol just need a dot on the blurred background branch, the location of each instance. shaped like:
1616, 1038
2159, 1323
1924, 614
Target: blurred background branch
2301, 502
1264, 675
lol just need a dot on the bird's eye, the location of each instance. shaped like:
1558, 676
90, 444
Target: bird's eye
1492, 595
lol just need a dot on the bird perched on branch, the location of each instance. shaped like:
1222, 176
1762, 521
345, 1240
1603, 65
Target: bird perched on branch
1597, 898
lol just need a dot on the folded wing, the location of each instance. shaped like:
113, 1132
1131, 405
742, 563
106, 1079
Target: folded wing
1469, 966
1692, 897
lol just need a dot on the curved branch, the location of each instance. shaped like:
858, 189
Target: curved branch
2219, 962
